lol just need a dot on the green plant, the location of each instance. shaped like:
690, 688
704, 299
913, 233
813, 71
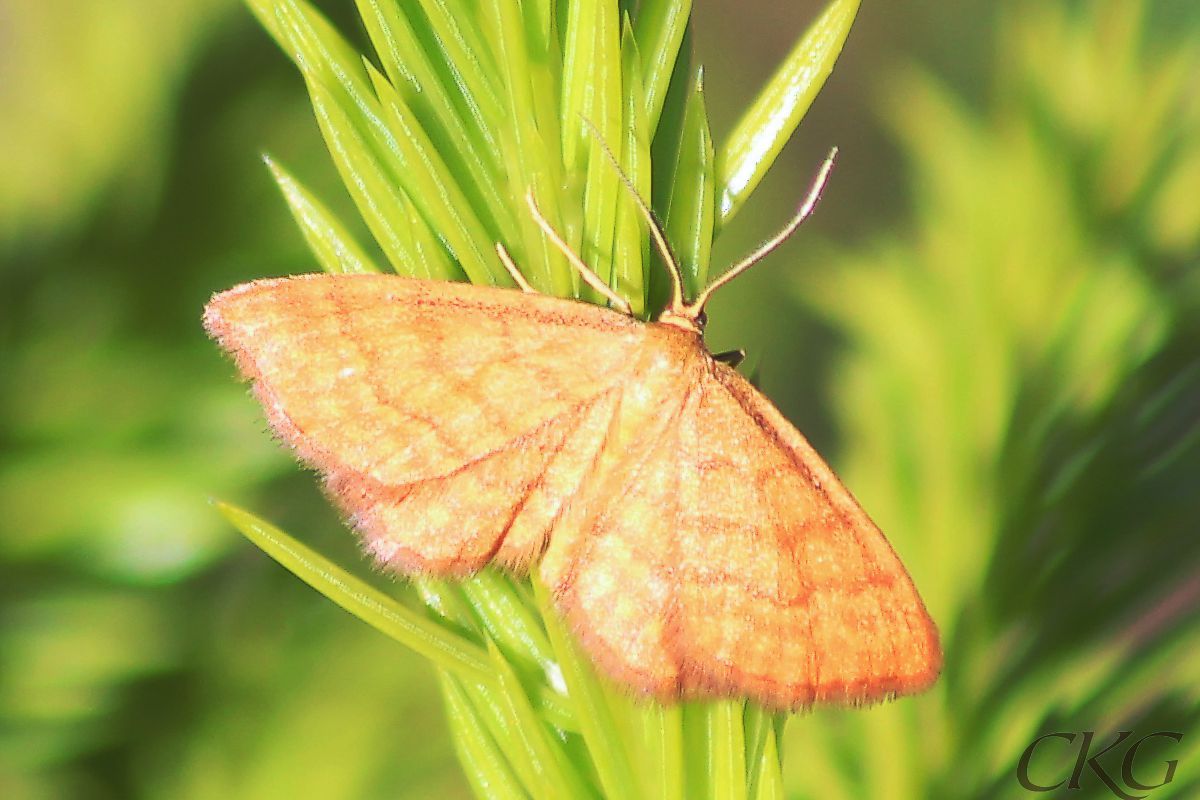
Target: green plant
466, 107
1018, 403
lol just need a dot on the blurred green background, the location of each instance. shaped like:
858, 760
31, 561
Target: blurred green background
991, 329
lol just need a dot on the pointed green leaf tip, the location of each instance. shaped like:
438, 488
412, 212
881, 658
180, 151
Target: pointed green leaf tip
444, 648
763, 130
335, 249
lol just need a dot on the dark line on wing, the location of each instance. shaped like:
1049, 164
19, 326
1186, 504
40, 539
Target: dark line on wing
633, 470
768, 428
511, 444
534, 485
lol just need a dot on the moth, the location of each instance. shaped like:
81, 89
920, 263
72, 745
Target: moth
694, 540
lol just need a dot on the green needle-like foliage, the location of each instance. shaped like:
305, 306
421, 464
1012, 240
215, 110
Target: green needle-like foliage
438, 134
1020, 404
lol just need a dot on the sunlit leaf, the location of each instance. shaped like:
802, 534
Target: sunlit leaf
659, 29
758, 137
439, 645
550, 773
483, 761
333, 246
690, 211
606, 742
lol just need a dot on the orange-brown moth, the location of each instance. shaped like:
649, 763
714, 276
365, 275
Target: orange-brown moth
691, 536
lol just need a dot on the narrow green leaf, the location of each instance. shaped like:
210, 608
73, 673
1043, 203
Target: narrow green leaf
317, 49
330, 242
484, 762
351, 121
600, 124
759, 726
591, 122
555, 709
697, 749
659, 28
578, 45
544, 59
528, 155
664, 145
596, 722
461, 138
727, 744
509, 622
385, 127
768, 777
440, 645
465, 54
766, 126
492, 709
779, 724
434, 190
264, 11
381, 203
663, 764
756, 724
445, 598
553, 775
690, 213
431, 259
631, 245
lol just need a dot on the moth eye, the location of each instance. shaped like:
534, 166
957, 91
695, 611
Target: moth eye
702, 319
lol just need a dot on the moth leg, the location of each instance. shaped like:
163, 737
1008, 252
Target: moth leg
513, 272
731, 358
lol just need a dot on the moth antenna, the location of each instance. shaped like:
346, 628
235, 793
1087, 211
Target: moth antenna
585, 272
806, 208
513, 272
660, 239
